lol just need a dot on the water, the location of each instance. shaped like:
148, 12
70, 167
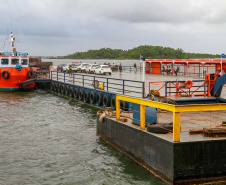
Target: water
49, 139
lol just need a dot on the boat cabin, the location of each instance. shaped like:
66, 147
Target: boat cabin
8, 60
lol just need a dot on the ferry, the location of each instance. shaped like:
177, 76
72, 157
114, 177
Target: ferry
15, 73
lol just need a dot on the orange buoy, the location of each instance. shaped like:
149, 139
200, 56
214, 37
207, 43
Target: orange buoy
188, 84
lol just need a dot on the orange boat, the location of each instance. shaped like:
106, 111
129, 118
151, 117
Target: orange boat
15, 73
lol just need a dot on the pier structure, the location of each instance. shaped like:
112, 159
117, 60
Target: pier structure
174, 139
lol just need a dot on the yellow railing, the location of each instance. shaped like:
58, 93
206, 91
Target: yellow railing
176, 109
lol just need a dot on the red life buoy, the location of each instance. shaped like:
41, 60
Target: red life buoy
188, 84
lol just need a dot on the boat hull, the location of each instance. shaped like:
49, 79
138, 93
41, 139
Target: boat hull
14, 81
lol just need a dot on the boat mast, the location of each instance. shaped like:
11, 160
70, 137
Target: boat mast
12, 40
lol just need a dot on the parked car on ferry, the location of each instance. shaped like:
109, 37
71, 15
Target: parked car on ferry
81, 67
103, 69
74, 67
90, 68
60, 67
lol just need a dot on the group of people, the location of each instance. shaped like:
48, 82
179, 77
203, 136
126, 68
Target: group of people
170, 70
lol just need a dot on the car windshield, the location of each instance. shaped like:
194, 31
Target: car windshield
85, 64
94, 65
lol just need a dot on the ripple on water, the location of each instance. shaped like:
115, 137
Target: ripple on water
48, 139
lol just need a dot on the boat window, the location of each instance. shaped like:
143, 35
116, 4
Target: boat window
15, 61
5, 61
24, 61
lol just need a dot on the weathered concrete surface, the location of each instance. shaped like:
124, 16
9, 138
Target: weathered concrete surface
175, 162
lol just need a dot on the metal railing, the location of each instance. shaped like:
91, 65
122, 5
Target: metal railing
116, 85
132, 69
170, 88
176, 109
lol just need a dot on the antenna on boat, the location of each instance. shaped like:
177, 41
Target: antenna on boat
12, 40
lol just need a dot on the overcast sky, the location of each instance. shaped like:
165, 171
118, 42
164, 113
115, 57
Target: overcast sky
61, 27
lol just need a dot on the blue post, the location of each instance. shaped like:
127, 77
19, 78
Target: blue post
107, 84
123, 88
94, 82
64, 76
83, 80
166, 89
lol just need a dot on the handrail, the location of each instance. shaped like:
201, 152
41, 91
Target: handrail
176, 109
167, 85
111, 83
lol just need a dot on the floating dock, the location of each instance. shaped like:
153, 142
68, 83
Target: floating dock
177, 157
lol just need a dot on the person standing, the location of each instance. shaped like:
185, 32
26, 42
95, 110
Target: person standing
135, 67
120, 68
70, 70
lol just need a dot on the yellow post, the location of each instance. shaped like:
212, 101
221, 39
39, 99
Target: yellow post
142, 117
117, 106
176, 126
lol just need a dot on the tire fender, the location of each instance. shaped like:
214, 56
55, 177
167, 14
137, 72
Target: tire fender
100, 99
5, 74
81, 94
86, 97
107, 101
113, 103
93, 97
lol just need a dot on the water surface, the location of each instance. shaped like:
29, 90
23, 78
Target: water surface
49, 139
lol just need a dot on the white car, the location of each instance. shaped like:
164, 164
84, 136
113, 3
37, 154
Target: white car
103, 69
74, 67
90, 68
81, 67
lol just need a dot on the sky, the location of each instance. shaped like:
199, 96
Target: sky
62, 27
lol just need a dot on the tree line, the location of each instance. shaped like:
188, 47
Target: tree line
147, 51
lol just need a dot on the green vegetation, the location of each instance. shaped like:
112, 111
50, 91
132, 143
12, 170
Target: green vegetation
147, 51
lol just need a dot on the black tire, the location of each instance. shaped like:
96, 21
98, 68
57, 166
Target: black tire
43, 85
76, 93
58, 87
109, 73
107, 101
124, 105
30, 74
113, 103
100, 99
52, 86
160, 128
86, 97
71, 92
66, 91
92, 97
81, 94
62, 89
5, 74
